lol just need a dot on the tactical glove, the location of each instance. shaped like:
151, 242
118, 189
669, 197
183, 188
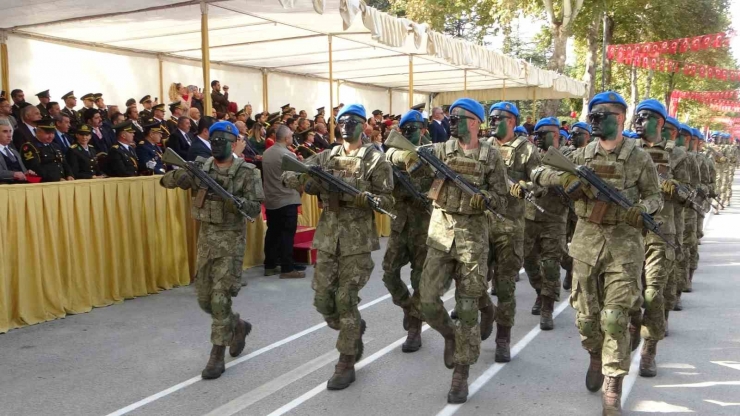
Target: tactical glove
669, 188
183, 179
410, 159
517, 189
362, 199
303, 178
634, 216
574, 187
478, 201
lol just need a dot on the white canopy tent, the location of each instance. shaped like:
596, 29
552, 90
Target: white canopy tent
273, 51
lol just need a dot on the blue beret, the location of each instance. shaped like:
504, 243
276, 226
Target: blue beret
505, 106
652, 105
685, 128
714, 134
696, 132
226, 126
582, 125
672, 121
520, 130
410, 117
356, 109
564, 133
471, 105
607, 97
547, 121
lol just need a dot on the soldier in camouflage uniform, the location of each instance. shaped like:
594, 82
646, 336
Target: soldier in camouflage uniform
407, 243
720, 163
655, 129
711, 167
608, 249
729, 152
544, 232
506, 238
346, 234
689, 218
706, 168
458, 236
704, 182
222, 238
580, 136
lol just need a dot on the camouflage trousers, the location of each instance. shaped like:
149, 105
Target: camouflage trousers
699, 230
659, 261
544, 249
505, 258
440, 268
726, 190
604, 295
690, 258
567, 261
408, 245
337, 281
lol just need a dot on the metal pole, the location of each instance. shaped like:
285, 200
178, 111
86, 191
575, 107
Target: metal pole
264, 90
331, 94
4, 67
411, 80
465, 83
161, 79
603, 53
205, 58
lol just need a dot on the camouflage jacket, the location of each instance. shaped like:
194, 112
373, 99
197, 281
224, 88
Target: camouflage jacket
406, 209
521, 158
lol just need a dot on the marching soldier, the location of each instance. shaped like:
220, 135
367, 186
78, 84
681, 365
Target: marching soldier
82, 157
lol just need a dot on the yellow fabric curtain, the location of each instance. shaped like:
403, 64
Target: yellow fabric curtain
310, 213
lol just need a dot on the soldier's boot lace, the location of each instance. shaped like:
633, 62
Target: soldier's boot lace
215, 366
688, 287
648, 368
548, 305
487, 316
503, 342
459, 388
537, 307
413, 339
611, 397
634, 328
449, 354
344, 373
359, 345
568, 281
243, 328
594, 376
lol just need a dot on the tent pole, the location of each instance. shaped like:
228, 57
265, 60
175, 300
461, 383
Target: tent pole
331, 93
264, 89
534, 104
161, 79
4, 67
411, 80
503, 92
205, 58
465, 82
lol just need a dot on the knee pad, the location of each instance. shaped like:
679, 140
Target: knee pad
614, 322
432, 314
653, 296
346, 300
588, 325
324, 303
505, 289
220, 304
467, 311
551, 267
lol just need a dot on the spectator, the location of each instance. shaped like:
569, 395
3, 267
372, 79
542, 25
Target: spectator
61, 136
82, 157
307, 148
176, 111
376, 138
220, 101
194, 115
26, 131
270, 140
101, 107
281, 206
42, 156
197, 101
291, 124
44, 99
564, 125
257, 139
131, 103
102, 140
122, 161
117, 118
148, 152
180, 137
6, 113
70, 101
201, 144
321, 139
179, 92
19, 99
132, 114
437, 129
52, 109
529, 126
146, 114
12, 169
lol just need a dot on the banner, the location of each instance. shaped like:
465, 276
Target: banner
691, 70
707, 95
673, 46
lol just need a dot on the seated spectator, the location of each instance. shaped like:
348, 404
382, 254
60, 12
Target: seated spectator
376, 138
117, 118
321, 139
132, 114
121, 160
177, 111
201, 144
102, 139
12, 169
281, 205
194, 115
82, 157
19, 101
61, 135
248, 111
53, 109
180, 138
307, 148
148, 152
42, 156
270, 140
29, 116
7, 114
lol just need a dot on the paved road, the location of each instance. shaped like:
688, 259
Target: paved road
144, 356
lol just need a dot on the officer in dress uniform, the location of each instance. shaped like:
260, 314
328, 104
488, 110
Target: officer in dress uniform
146, 113
82, 157
121, 160
149, 152
70, 101
42, 156
176, 111
88, 101
158, 117
44, 99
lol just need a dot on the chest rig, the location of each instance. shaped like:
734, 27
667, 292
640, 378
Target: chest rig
662, 160
509, 153
613, 172
209, 207
446, 194
350, 169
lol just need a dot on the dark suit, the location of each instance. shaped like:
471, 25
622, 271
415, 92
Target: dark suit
120, 162
180, 143
145, 152
60, 143
43, 110
193, 127
83, 163
22, 135
198, 149
8, 166
171, 124
46, 160
321, 141
145, 115
438, 132
74, 120
103, 144
16, 110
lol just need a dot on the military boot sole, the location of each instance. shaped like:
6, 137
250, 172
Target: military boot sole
648, 371
341, 383
213, 373
359, 345
241, 336
502, 356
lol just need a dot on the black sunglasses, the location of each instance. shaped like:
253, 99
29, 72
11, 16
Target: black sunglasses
497, 117
598, 116
643, 116
454, 119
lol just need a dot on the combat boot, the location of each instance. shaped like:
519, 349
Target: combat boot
548, 305
449, 336
243, 328
215, 366
611, 396
537, 307
648, 368
503, 342
459, 389
594, 376
688, 287
568, 281
453, 315
678, 306
487, 316
413, 339
344, 373
359, 345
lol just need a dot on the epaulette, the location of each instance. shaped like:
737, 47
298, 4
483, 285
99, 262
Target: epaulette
74, 146
141, 143
115, 146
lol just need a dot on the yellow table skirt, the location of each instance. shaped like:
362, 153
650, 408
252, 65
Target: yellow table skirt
70, 246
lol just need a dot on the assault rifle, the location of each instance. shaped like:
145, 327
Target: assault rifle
172, 158
415, 193
528, 196
294, 165
683, 189
705, 195
603, 191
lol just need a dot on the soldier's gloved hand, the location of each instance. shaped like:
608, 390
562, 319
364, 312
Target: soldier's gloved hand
183, 179
303, 178
478, 201
362, 199
669, 187
634, 216
410, 159
517, 189
151, 164
231, 206
574, 187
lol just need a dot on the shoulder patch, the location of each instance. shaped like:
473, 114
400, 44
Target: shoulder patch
115, 146
141, 143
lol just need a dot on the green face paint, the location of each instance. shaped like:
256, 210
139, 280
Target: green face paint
579, 137
351, 127
221, 145
413, 132
647, 126
459, 125
604, 123
681, 139
499, 124
666, 134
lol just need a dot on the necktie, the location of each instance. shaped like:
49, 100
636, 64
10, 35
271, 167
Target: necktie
10, 154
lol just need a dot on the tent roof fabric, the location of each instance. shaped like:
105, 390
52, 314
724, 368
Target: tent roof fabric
368, 46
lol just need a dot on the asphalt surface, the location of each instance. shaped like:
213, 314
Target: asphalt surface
144, 356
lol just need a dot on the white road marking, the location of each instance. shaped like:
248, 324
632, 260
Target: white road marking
723, 404
484, 378
651, 406
631, 378
702, 384
186, 383
732, 364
